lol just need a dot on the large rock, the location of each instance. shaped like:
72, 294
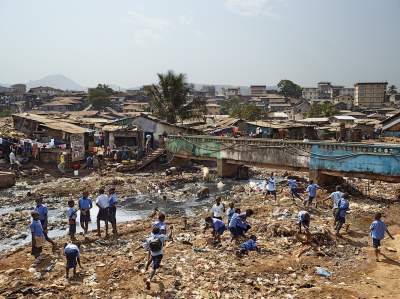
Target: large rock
7, 179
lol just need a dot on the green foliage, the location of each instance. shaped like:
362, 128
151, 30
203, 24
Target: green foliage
170, 99
237, 108
99, 97
5, 113
325, 109
289, 89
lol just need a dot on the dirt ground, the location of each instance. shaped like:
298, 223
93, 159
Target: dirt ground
194, 268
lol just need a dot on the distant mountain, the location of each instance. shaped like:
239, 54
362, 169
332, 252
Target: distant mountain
55, 81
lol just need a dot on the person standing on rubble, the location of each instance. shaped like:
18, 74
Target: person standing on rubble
61, 163
102, 203
378, 229
37, 237
343, 206
218, 208
155, 245
271, 186
230, 211
335, 196
42, 210
293, 189
85, 204
112, 210
160, 223
14, 163
312, 193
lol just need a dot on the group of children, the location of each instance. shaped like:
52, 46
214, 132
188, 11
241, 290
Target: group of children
155, 244
39, 224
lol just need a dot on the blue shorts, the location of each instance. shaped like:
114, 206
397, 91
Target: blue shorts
341, 219
71, 259
238, 231
220, 231
311, 198
156, 261
376, 243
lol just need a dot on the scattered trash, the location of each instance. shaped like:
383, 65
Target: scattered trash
322, 272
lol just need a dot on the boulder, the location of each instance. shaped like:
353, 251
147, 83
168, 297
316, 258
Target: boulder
7, 179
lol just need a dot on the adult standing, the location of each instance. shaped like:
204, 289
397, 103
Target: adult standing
103, 204
61, 163
112, 209
85, 204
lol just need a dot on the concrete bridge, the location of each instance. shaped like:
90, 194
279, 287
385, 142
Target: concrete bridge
323, 160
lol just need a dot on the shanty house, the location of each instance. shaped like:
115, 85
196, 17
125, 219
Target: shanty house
118, 136
391, 126
44, 129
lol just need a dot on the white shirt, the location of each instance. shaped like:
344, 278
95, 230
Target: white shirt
13, 159
70, 248
336, 196
102, 201
271, 184
218, 211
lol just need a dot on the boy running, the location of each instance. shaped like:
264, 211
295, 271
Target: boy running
312, 193
343, 206
293, 189
378, 229
155, 245
336, 196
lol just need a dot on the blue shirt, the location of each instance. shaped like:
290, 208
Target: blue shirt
343, 207
217, 224
292, 184
378, 229
230, 213
71, 213
249, 245
36, 228
42, 210
85, 203
237, 220
113, 199
161, 225
312, 190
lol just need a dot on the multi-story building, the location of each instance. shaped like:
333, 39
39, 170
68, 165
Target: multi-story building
18, 88
209, 90
310, 93
231, 92
369, 94
258, 90
326, 90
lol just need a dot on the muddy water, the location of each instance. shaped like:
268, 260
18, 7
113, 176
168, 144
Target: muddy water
181, 199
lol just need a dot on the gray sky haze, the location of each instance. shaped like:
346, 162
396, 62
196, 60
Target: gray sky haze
237, 42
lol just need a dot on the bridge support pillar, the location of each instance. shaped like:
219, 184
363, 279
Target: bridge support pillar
324, 179
227, 170
180, 162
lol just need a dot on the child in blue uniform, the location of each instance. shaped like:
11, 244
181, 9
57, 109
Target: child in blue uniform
378, 229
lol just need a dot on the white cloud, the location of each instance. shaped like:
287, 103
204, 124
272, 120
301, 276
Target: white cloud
183, 20
148, 29
253, 7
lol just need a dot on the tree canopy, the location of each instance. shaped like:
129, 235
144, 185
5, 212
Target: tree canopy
99, 97
290, 89
171, 99
237, 108
325, 109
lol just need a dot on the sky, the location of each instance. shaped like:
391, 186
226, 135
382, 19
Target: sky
236, 42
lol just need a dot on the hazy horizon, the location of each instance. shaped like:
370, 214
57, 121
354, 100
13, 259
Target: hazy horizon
224, 42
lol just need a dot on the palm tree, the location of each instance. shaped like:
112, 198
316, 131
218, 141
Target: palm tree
170, 99
392, 89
